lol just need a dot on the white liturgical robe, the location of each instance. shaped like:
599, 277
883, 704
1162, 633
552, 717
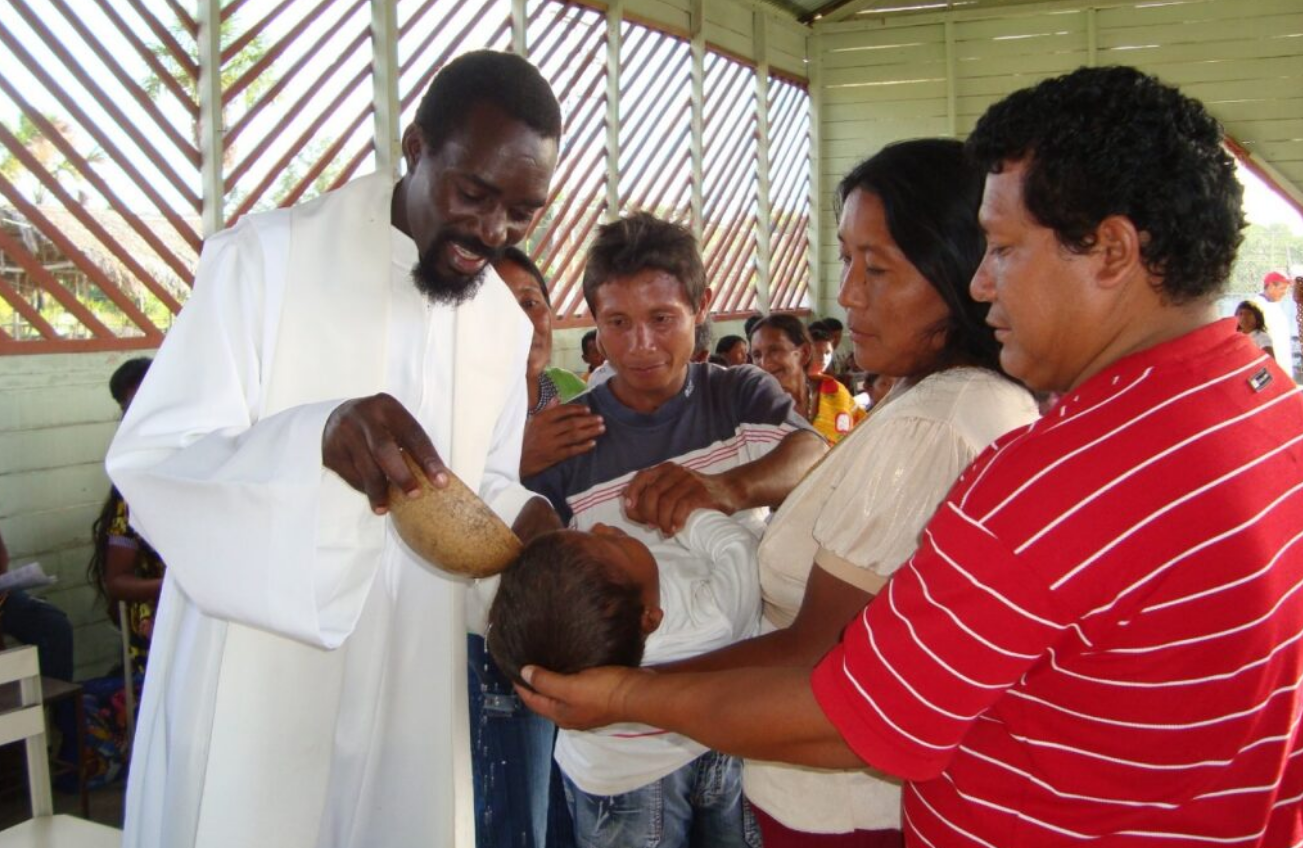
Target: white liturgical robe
306, 683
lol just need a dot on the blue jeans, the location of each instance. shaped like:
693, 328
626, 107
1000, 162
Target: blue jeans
33, 621
698, 806
511, 762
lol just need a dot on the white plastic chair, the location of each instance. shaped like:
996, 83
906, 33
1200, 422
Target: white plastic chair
26, 721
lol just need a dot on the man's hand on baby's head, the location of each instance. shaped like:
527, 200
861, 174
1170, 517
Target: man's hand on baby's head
592, 698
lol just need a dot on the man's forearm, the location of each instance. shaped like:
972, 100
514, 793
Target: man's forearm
759, 713
768, 480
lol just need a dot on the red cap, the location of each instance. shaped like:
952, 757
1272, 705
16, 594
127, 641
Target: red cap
1274, 277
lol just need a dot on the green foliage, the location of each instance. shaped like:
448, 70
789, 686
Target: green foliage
1265, 248
249, 55
39, 146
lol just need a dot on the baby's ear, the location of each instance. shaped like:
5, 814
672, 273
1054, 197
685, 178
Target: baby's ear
651, 619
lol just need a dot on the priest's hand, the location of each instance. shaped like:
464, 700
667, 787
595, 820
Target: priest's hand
363, 443
664, 495
592, 698
558, 432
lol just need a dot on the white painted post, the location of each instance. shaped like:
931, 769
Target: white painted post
1092, 38
698, 115
384, 79
614, 13
760, 22
952, 81
519, 22
814, 72
211, 129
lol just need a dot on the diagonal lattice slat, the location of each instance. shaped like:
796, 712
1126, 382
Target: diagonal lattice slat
431, 32
655, 123
729, 186
568, 43
100, 190
297, 99
789, 194
99, 193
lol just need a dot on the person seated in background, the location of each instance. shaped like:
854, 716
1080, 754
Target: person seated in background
1250, 321
701, 341
591, 353
877, 387
124, 567
821, 350
37, 622
680, 437
781, 346
843, 362
734, 350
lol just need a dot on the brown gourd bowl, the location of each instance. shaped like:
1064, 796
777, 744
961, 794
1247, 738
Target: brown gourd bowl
451, 528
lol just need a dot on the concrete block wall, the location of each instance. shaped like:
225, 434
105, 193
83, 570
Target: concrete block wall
56, 421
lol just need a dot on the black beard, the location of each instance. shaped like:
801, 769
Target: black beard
450, 289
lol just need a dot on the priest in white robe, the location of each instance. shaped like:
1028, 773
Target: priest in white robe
306, 682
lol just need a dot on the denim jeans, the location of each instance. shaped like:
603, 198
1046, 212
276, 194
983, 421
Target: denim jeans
698, 806
40, 623
518, 799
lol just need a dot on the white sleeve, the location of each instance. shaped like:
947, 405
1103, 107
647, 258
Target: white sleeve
253, 529
500, 486
734, 582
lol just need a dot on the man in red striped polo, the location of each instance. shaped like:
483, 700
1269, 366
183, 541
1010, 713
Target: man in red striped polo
1100, 639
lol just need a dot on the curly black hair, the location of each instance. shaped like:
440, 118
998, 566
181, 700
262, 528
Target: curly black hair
505, 80
1115, 141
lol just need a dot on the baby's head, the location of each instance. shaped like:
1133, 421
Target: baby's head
575, 600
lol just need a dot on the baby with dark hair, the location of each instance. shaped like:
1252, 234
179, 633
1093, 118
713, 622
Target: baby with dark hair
575, 600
